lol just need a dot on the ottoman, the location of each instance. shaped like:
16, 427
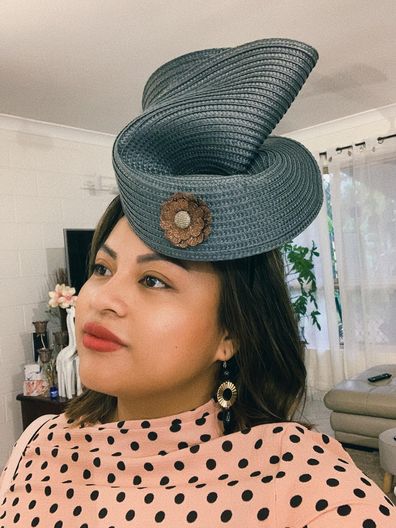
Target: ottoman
363, 410
387, 452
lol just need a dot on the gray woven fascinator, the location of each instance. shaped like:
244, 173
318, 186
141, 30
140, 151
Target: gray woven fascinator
198, 174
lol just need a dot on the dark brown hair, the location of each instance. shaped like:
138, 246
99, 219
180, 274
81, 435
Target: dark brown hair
255, 309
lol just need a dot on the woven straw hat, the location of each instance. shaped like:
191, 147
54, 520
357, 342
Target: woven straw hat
198, 174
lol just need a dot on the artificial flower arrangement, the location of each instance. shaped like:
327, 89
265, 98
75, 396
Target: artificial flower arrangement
62, 297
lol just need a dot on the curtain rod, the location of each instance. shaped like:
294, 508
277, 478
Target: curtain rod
380, 139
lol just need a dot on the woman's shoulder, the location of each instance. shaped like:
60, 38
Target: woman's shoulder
319, 482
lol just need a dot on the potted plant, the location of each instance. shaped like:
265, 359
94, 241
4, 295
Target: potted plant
301, 281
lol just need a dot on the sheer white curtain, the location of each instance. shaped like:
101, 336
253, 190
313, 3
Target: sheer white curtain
363, 196
323, 360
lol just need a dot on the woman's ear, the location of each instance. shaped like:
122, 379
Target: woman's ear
226, 349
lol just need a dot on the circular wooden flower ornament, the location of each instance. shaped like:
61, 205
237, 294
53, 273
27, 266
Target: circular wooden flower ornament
185, 219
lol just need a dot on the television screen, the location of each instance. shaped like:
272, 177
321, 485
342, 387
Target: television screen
77, 247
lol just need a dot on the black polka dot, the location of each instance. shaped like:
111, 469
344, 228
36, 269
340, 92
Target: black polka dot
226, 446
305, 477
274, 459
64, 468
137, 480
164, 481
321, 505
159, 516
294, 438
258, 444
359, 493
365, 481
312, 462
384, 510
341, 469
74, 457
145, 424
120, 497
369, 523
77, 511
344, 510
263, 514
332, 482
148, 466
226, 515
47, 490
35, 521
325, 439
193, 479
97, 462
194, 449
200, 421
295, 501
267, 478
182, 445
70, 493
243, 463
318, 449
134, 446
247, 495
211, 463
212, 497
88, 438
121, 465
32, 504
130, 515
191, 516
175, 427
179, 498
179, 465
53, 508
205, 437
280, 474
287, 457
223, 476
152, 436
94, 495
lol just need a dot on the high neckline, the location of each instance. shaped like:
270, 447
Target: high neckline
158, 436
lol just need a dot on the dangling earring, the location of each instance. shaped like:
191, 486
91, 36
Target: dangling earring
226, 397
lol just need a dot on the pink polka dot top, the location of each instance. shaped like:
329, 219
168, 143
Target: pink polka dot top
180, 471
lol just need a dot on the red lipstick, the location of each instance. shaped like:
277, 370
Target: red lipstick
97, 337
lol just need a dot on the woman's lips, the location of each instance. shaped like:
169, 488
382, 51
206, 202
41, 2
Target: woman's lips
102, 345
97, 337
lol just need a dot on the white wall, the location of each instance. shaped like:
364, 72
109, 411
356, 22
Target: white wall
43, 168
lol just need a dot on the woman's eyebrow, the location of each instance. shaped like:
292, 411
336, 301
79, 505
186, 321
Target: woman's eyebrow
148, 257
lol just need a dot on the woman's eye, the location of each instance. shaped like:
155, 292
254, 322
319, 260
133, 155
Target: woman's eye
99, 269
153, 282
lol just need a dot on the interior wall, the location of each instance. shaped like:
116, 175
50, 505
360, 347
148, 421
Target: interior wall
43, 169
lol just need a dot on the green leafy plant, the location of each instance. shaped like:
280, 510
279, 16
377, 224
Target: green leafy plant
301, 281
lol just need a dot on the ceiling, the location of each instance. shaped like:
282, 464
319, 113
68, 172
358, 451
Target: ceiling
83, 63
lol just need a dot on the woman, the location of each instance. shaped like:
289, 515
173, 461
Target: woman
189, 350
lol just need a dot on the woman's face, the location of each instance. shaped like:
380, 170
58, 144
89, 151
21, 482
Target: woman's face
165, 313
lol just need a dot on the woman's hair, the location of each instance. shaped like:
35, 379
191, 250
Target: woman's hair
255, 308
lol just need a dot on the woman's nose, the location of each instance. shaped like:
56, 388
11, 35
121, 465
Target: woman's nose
110, 296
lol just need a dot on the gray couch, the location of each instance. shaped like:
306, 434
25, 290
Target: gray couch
363, 410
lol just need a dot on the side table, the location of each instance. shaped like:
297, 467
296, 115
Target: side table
387, 452
35, 406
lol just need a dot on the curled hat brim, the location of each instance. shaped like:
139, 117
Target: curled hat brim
204, 133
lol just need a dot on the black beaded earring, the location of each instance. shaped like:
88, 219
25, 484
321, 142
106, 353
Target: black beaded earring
226, 397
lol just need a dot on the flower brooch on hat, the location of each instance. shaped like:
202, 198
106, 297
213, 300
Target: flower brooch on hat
185, 219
